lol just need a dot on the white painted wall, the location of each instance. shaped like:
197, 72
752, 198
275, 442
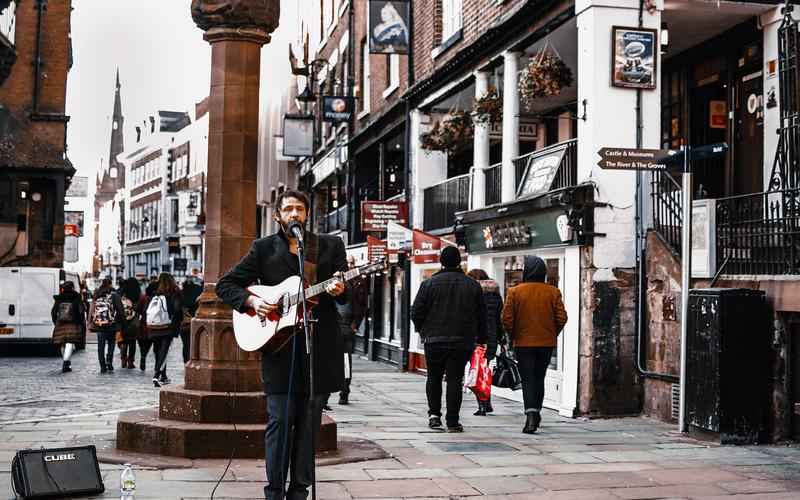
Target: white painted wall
771, 22
427, 167
605, 105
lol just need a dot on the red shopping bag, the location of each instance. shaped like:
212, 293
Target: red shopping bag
479, 376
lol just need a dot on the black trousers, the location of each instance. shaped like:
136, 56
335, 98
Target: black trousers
161, 348
441, 360
105, 348
288, 441
127, 349
533, 363
185, 342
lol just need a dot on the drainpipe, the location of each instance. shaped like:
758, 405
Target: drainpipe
640, 279
41, 6
406, 331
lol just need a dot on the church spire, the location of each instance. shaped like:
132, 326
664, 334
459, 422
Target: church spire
117, 139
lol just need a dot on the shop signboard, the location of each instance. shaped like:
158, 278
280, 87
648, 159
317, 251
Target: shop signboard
540, 172
634, 56
534, 230
376, 249
73, 218
337, 109
375, 215
425, 248
179, 264
397, 239
388, 22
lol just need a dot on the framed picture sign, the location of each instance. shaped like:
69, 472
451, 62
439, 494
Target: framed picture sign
633, 57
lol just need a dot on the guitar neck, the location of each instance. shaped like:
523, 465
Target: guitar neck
317, 289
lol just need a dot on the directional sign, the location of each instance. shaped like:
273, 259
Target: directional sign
633, 159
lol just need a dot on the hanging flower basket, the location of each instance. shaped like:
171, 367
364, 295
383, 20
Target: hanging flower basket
545, 76
488, 108
449, 135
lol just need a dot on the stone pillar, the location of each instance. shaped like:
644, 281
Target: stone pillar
222, 405
510, 124
236, 37
481, 146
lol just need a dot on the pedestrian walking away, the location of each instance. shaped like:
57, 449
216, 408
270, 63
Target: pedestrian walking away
107, 317
450, 315
144, 341
534, 315
351, 314
289, 442
164, 316
69, 320
130, 296
191, 292
494, 324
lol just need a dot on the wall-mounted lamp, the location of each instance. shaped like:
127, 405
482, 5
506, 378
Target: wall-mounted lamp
664, 38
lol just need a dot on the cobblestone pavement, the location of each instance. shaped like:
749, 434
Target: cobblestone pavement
33, 387
568, 459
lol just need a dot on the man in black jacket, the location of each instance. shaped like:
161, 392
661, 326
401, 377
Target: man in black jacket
270, 261
450, 315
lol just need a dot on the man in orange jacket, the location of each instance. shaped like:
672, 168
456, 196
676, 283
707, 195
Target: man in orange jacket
533, 315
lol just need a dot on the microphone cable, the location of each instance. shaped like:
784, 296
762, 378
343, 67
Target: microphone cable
232, 406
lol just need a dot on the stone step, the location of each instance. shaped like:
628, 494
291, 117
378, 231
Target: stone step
178, 403
142, 431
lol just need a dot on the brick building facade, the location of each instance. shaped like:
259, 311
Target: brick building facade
34, 168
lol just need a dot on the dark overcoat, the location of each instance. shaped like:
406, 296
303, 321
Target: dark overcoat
269, 262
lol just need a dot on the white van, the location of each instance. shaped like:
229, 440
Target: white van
26, 298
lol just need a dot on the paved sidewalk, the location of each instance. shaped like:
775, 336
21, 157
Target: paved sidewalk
569, 459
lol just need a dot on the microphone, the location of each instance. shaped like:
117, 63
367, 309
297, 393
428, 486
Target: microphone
295, 229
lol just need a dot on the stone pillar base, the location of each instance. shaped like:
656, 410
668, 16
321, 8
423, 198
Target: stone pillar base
144, 432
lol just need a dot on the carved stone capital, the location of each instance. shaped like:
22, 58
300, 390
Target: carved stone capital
260, 15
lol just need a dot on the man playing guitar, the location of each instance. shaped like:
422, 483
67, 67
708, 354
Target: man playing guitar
270, 261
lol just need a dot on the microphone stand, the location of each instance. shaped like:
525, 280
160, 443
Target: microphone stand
307, 328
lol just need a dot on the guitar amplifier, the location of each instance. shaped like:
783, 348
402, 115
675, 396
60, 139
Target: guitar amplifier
56, 472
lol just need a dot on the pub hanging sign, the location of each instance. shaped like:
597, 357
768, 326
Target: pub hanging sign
337, 109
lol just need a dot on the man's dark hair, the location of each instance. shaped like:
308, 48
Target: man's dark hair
291, 193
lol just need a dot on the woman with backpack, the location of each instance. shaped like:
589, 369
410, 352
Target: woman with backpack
69, 318
106, 318
164, 316
130, 297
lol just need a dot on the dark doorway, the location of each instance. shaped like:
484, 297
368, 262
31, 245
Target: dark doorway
748, 154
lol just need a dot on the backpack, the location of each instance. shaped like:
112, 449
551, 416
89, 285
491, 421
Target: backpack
128, 308
158, 313
104, 313
64, 313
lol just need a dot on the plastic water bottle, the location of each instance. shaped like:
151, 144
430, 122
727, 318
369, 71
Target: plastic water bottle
127, 483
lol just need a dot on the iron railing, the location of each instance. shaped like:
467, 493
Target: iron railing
443, 200
759, 233
667, 205
566, 176
494, 185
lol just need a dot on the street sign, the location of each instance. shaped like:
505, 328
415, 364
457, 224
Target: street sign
179, 264
634, 159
